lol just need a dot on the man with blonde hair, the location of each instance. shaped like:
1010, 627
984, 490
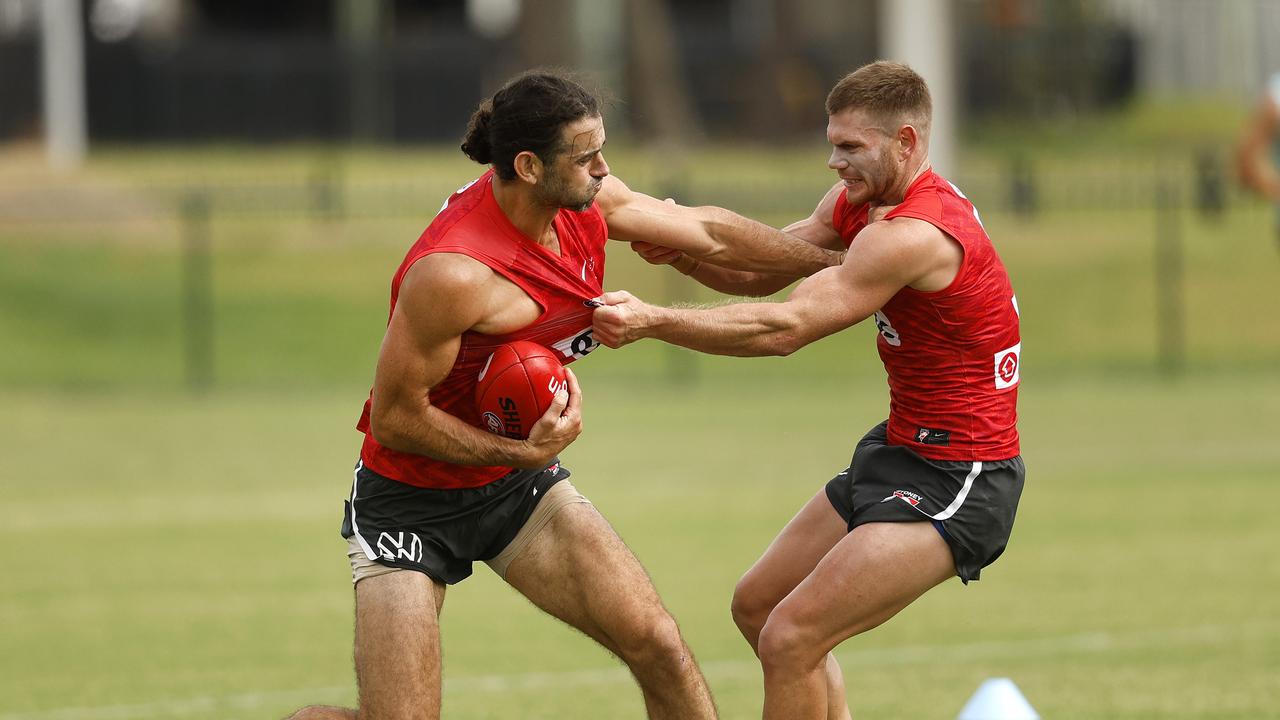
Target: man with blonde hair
932, 491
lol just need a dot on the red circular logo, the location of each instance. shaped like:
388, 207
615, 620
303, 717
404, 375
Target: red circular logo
1008, 367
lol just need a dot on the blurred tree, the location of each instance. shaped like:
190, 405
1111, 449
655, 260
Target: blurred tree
662, 107
360, 25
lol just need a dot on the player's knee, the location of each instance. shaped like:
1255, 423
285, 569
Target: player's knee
750, 607
786, 646
655, 642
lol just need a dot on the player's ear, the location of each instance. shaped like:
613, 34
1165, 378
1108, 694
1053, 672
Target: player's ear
528, 167
908, 141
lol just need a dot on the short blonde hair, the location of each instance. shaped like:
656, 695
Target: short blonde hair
893, 93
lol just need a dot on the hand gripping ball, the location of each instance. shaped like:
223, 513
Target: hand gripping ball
516, 386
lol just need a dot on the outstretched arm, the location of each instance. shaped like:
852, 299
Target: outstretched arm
817, 229
442, 296
885, 258
709, 234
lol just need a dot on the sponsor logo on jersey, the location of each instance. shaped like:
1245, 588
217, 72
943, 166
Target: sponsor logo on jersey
576, 345
400, 546
887, 332
1007, 366
905, 496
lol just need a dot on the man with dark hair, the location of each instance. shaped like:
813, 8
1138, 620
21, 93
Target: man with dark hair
517, 254
1258, 154
930, 493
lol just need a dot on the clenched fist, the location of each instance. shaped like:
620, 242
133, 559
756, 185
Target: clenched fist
621, 318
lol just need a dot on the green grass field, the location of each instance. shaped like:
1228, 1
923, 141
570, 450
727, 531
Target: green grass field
171, 555
170, 558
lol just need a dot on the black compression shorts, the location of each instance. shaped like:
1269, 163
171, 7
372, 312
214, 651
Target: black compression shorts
971, 503
441, 532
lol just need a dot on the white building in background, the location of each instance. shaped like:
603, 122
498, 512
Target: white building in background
1215, 47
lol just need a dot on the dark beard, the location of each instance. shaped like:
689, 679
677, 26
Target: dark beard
557, 195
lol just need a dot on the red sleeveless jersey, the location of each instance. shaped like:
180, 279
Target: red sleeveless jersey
471, 223
952, 355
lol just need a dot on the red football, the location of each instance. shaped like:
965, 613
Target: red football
516, 386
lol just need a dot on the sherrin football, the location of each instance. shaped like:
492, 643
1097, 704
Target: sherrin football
516, 386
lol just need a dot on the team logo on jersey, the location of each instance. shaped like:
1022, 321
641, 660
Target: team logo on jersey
401, 546
577, 345
1008, 363
890, 335
933, 436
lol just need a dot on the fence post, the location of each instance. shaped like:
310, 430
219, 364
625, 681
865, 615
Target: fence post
1211, 194
1024, 199
326, 187
197, 292
1170, 282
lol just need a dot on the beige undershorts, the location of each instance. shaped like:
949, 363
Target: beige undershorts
561, 494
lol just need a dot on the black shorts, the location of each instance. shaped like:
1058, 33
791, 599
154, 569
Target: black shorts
440, 532
971, 503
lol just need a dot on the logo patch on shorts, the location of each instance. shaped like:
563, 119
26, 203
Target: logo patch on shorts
400, 546
933, 436
905, 496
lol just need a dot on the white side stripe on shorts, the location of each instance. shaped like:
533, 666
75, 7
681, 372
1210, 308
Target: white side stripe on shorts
951, 509
355, 477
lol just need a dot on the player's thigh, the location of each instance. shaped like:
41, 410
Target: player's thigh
580, 571
397, 648
868, 577
792, 555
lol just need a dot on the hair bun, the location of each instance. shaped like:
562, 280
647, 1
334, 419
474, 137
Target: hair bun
476, 144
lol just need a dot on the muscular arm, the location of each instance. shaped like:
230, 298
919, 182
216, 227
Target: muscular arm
817, 230
885, 258
1253, 161
709, 234
441, 297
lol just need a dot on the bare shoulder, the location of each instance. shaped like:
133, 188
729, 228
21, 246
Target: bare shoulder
826, 209
448, 289
444, 273
820, 228
903, 234
914, 251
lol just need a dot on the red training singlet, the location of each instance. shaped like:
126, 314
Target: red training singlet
471, 223
952, 355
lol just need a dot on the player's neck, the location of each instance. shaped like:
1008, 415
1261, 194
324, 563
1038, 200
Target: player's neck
532, 218
900, 190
